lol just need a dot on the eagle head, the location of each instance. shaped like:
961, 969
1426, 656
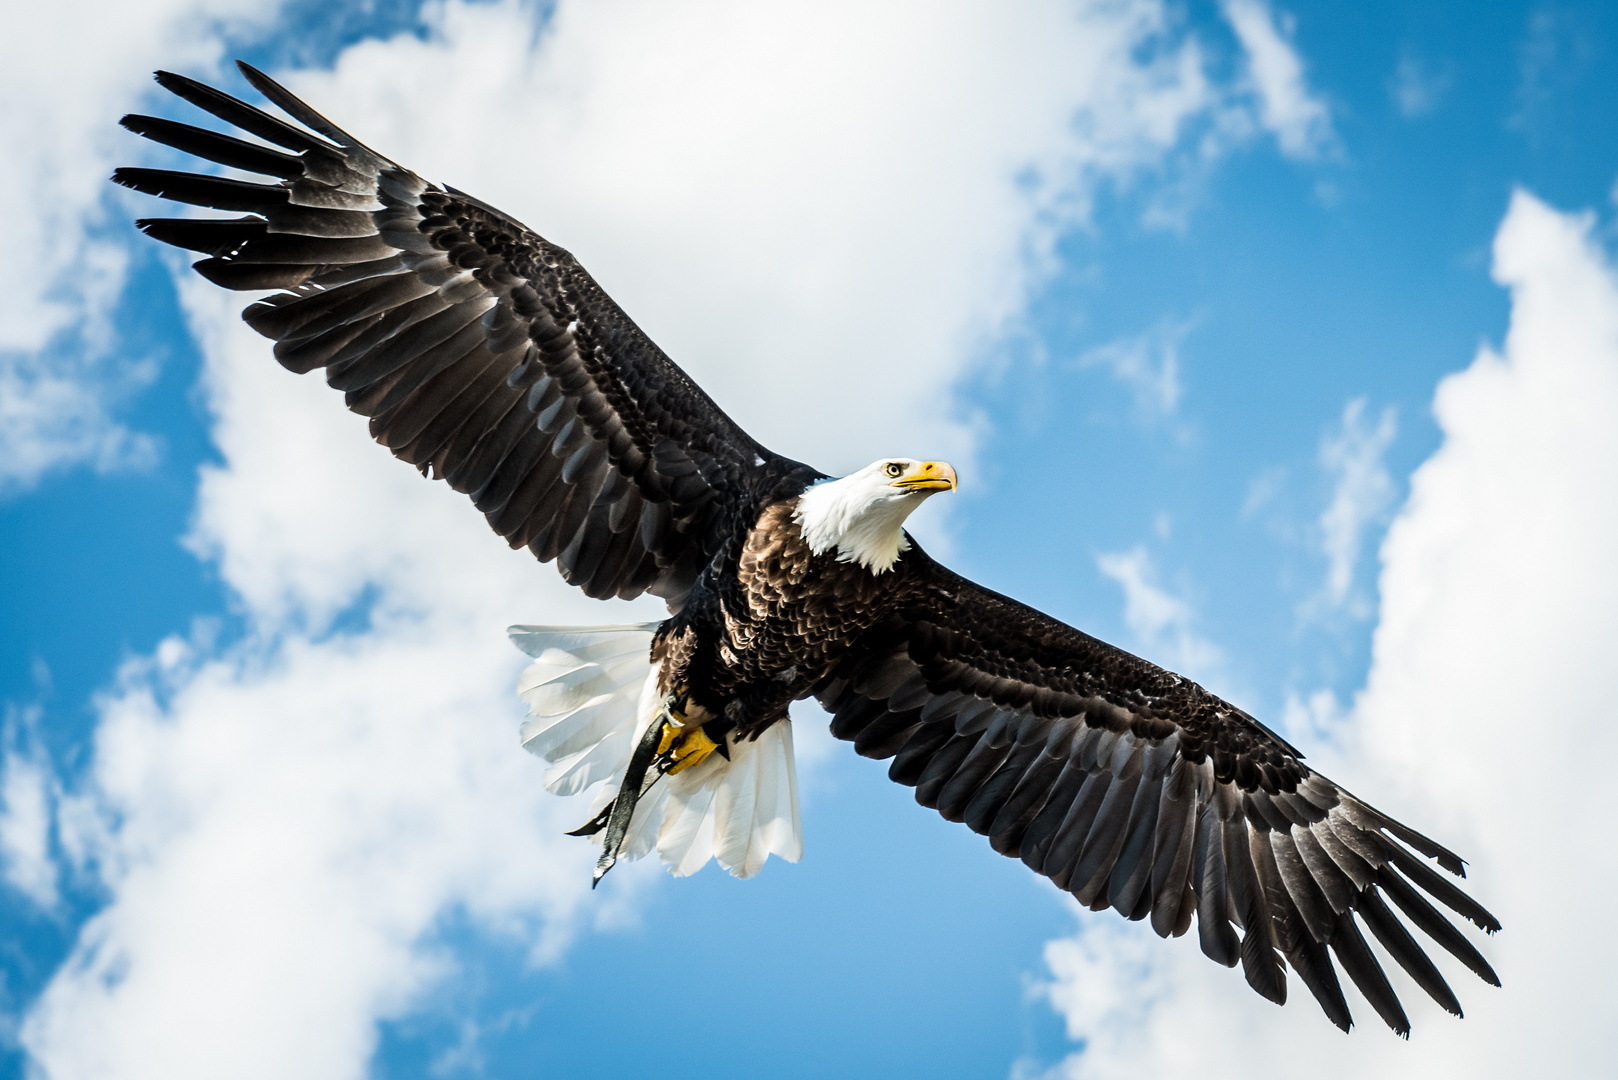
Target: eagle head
862, 515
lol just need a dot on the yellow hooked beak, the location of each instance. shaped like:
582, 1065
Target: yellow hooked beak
928, 476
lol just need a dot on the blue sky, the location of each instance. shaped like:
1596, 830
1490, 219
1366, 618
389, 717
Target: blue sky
1175, 285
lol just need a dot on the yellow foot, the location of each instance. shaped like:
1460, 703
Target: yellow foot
683, 741
688, 745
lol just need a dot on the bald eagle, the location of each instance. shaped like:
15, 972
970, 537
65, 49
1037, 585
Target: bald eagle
487, 357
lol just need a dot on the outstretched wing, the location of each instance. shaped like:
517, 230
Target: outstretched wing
1136, 789
480, 351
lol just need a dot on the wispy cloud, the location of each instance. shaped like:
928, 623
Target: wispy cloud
1288, 109
1263, 489
1416, 86
1362, 494
56, 411
1556, 47
1157, 617
1147, 363
1313, 719
27, 785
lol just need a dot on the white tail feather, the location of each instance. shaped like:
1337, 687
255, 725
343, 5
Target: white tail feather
592, 692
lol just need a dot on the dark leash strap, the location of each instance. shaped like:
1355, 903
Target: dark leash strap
618, 814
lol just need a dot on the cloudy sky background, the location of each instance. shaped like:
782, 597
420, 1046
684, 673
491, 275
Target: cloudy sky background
1277, 343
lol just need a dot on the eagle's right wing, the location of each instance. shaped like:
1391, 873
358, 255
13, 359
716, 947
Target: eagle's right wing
479, 350
1134, 788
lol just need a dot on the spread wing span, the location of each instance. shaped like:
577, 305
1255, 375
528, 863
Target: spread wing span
486, 356
480, 351
1134, 788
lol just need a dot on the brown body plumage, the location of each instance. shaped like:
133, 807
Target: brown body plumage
774, 628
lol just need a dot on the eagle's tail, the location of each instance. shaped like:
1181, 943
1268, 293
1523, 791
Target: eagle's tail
592, 692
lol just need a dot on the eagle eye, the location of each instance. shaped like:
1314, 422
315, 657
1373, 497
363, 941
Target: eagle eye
893, 468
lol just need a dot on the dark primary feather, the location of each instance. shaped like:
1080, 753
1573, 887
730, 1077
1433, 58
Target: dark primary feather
1136, 789
481, 352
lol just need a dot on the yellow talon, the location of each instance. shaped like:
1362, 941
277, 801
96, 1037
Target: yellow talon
670, 733
690, 749
673, 724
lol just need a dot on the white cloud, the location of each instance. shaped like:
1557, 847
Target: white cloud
1362, 491
281, 824
1147, 363
1483, 721
280, 834
1085, 971
1299, 120
1161, 620
837, 187
83, 66
789, 202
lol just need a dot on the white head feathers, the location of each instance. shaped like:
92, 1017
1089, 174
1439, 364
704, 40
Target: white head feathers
862, 515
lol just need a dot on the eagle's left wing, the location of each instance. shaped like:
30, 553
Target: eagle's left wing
479, 350
1134, 788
